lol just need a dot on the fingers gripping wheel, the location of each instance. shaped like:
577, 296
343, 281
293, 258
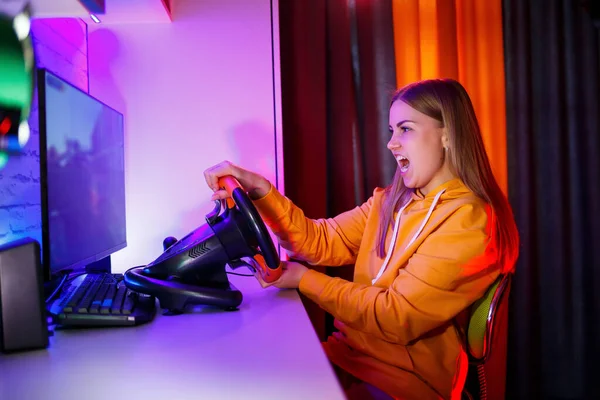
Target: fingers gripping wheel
269, 265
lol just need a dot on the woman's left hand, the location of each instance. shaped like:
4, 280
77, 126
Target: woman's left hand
290, 278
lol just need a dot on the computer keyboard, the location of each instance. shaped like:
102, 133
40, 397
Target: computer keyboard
101, 299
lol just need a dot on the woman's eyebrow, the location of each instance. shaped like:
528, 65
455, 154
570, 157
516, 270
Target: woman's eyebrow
403, 121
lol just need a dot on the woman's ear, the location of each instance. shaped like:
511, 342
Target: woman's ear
445, 140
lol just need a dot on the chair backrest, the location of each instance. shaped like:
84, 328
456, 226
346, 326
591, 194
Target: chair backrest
481, 321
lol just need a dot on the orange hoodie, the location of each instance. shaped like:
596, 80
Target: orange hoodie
397, 321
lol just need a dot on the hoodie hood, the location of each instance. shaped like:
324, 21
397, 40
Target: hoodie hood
453, 189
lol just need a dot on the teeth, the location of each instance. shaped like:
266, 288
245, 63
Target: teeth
403, 162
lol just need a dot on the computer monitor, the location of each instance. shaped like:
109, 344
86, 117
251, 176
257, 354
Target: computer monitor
82, 176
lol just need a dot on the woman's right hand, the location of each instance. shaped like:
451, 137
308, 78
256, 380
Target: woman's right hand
256, 185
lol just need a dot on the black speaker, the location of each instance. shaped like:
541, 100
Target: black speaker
23, 324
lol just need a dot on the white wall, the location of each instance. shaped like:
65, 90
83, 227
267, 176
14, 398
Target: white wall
194, 92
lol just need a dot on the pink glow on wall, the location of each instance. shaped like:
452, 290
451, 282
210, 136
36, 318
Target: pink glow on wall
116, 11
194, 92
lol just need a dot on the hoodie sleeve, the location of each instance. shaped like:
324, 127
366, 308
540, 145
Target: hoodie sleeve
333, 241
451, 269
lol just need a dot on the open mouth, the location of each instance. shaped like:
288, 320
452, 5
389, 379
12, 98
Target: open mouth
403, 163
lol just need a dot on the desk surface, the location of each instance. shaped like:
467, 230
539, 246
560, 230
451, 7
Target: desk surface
266, 350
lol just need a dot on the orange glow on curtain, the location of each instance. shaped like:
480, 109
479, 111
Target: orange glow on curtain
460, 39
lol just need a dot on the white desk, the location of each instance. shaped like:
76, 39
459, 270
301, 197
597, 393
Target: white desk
266, 350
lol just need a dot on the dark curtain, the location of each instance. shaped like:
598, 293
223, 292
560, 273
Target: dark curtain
553, 134
337, 78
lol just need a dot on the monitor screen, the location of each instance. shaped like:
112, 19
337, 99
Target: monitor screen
83, 179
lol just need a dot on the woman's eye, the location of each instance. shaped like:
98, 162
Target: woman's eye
404, 129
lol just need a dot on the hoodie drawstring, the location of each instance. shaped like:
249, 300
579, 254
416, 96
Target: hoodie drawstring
395, 232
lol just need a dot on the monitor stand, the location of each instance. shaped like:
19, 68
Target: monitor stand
100, 266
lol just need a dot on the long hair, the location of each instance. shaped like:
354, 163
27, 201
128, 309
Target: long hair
447, 101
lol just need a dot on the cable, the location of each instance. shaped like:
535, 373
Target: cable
71, 277
239, 274
248, 262
58, 288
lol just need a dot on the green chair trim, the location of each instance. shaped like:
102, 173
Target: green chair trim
481, 320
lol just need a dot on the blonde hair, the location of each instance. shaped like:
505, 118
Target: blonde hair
447, 101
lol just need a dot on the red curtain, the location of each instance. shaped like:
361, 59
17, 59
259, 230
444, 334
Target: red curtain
337, 76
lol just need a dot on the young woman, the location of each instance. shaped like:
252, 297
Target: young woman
424, 248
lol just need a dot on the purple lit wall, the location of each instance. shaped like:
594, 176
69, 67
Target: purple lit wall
194, 92
61, 46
